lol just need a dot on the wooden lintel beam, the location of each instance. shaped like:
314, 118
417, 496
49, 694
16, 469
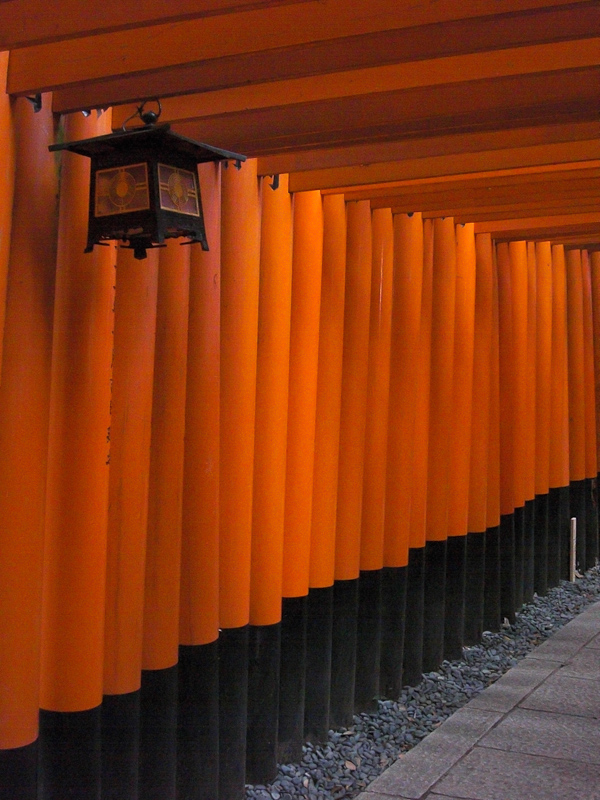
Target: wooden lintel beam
434, 168
521, 211
552, 227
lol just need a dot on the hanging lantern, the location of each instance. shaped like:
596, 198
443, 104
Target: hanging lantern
144, 185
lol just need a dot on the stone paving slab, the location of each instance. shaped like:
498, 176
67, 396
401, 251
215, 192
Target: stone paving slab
562, 694
514, 686
486, 774
586, 664
545, 734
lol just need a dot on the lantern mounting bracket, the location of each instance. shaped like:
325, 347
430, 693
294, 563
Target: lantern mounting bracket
36, 102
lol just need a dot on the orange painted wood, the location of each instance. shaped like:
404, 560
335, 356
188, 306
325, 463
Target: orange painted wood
160, 46
464, 332
405, 332
507, 389
418, 499
591, 456
240, 264
304, 359
7, 177
163, 547
575, 339
378, 388
595, 276
364, 157
559, 380
470, 34
543, 391
131, 414
519, 364
493, 509
78, 448
272, 391
480, 409
24, 406
199, 589
355, 365
531, 373
441, 419
329, 393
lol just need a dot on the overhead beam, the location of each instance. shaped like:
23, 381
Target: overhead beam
343, 179
152, 49
554, 227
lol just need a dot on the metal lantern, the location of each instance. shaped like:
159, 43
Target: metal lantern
144, 185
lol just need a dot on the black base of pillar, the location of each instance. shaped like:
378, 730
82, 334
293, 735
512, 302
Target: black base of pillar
264, 651
578, 510
19, 773
233, 711
158, 734
474, 588
492, 615
412, 663
198, 722
507, 567
120, 720
368, 641
343, 653
292, 681
433, 607
393, 604
564, 532
519, 527
454, 611
318, 664
529, 550
591, 524
541, 562
69, 765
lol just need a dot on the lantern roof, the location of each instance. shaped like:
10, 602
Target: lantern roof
159, 136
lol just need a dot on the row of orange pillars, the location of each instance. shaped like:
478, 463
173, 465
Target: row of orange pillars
245, 493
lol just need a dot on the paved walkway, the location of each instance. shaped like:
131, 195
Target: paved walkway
533, 735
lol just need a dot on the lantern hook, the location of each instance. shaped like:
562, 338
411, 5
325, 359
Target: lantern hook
36, 102
147, 117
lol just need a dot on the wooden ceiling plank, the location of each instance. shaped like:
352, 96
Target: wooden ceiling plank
141, 50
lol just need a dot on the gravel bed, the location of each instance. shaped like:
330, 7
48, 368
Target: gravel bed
352, 758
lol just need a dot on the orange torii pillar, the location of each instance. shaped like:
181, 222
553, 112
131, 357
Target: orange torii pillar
405, 331
198, 679
412, 665
533, 516
307, 259
268, 507
559, 526
460, 452
595, 277
508, 410
379, 638
576, 377
131, 410
355, 366
24, 402
440, 430
7, 179
77, 490
240, 263
591, 458
518, 367
492, 617
158, 722
480, 424
545, 569
325, 470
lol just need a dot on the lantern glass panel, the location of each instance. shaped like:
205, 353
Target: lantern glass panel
178, 190
121, 189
